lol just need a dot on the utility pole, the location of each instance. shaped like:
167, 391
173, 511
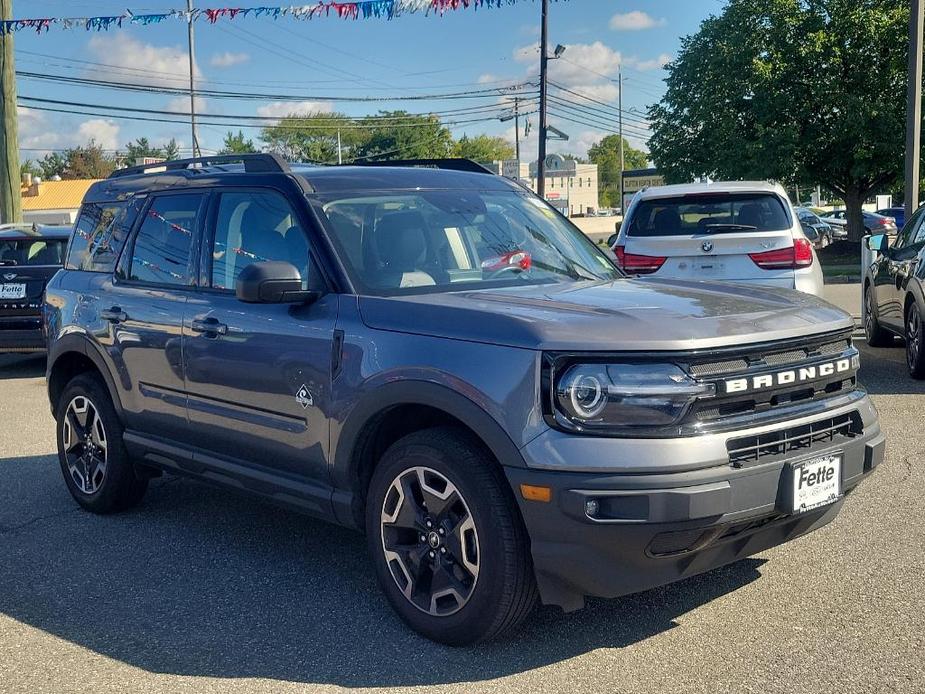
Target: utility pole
517, 132
340, 158
914, 107
620, 111
192, 79
10, 196
544, 63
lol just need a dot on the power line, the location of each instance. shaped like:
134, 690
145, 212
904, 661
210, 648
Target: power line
491, 92
599, 113
616, 111
591, 119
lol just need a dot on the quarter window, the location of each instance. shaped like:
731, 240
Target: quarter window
99, 235
162, 249
254, 227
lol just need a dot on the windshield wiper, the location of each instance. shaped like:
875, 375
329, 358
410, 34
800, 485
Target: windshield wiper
723, 228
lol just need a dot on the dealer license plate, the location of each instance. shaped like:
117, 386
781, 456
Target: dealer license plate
816, 482
12, 291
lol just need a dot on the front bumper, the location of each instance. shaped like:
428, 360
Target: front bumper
653, 528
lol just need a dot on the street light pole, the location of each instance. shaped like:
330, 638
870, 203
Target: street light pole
914, 107
544, 63
620, 111
517, 130
192, 86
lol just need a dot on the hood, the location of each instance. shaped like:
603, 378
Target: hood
623, 315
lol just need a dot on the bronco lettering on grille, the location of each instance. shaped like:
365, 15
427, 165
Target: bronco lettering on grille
785, 378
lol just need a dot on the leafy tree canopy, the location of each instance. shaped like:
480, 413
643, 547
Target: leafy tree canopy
237, 144
791, 90
606, 154
483, 148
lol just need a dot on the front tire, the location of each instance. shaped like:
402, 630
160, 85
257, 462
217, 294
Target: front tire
446, 540
96, 467
915, 341
876, 334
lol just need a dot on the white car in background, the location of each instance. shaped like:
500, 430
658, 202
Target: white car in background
740, 231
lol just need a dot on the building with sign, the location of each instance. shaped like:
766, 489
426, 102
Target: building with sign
635, 180
571, 187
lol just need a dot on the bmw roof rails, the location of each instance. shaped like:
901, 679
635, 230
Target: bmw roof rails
261, 162
449, 164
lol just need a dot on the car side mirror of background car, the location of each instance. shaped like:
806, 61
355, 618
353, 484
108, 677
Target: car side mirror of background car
612, 239
272, 282
879, 243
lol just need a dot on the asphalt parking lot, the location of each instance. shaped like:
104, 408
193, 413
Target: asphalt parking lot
200, 590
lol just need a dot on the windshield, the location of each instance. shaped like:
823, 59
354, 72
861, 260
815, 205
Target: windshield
35, 251
708, 213
419, 241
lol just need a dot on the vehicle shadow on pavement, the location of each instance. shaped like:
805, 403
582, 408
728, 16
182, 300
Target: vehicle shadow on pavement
21, 366
884, 371
201, 582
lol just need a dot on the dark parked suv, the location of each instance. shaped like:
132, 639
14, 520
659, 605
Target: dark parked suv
437, 357
29, 256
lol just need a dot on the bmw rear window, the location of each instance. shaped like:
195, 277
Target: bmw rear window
709, 213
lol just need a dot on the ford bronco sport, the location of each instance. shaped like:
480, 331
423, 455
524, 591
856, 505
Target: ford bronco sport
438, 358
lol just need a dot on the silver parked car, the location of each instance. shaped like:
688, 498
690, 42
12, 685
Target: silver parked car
740, 231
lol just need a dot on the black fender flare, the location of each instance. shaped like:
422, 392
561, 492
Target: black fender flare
427, 394
80, 344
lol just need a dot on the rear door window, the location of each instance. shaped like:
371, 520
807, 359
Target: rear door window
99, 235
162, 251
710, 213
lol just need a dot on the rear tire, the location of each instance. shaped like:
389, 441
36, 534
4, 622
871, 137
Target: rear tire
446, 539
96, 467
915, 342
877, 335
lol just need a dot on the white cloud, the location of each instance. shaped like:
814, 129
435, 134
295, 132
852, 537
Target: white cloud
604, 91
181, 104
104, 132
581, 62
280, 109
656, 63
634, 21
144, 63
228, 59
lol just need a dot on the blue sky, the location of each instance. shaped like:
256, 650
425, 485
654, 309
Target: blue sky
322, 61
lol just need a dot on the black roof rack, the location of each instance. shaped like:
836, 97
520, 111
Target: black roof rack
253, 163
449, 164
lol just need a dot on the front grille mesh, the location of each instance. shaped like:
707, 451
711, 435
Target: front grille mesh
749, 450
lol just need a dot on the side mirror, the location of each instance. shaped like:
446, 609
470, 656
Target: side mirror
612, 239
272, 282
879, 243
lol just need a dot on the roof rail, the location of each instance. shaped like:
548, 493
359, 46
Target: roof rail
448, 164
260, 162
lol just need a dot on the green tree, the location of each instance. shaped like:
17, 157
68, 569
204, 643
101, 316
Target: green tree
483, 148
312, 137
237, 144
89, 161
29, 167
792, 90
402, 135
606, 154
171, 150
54, 164
141, 148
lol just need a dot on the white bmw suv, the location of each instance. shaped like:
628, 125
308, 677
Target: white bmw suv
738, 231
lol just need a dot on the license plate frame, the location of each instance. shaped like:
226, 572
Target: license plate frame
10, 291
805, 474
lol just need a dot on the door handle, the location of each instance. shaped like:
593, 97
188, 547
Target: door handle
114, 315
208, 326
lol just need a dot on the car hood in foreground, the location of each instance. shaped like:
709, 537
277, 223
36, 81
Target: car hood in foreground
624, 315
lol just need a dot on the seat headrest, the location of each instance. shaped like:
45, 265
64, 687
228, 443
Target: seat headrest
400, 239
667, 220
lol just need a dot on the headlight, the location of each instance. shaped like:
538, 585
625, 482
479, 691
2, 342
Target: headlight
598, 397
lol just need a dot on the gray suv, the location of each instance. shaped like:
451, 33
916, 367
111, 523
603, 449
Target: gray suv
436, 357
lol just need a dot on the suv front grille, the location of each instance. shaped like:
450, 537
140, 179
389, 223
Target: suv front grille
712, 411
749, 450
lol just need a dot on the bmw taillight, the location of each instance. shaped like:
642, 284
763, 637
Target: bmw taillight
800, 254
635, 264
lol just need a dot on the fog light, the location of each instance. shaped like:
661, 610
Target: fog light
592, 507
